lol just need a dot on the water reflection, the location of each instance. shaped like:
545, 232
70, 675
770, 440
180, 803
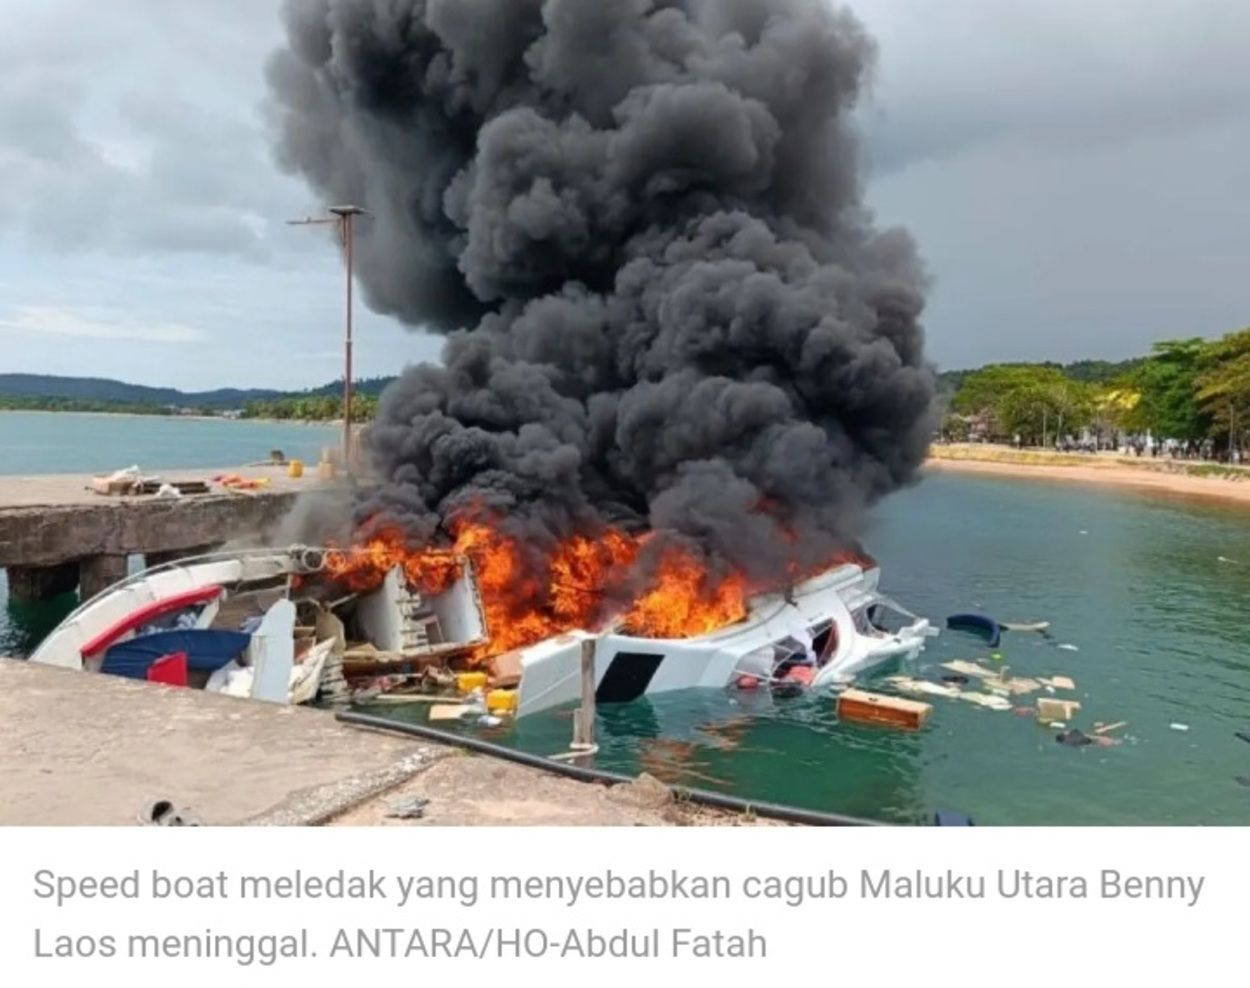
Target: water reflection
26, 624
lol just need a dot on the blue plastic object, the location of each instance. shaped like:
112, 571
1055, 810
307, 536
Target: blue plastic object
978, 624
206, 650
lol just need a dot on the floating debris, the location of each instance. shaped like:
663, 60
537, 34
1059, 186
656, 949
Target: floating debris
1108, 728
1074, 738
970, 669
921, 686
1179, 727
1024, 625
1068, 648
977, 624
1079, 739
1020, 686
450, 711
1057, 683
987, 700
1051, 709
873, 708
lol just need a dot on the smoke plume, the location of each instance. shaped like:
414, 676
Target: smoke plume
640, 224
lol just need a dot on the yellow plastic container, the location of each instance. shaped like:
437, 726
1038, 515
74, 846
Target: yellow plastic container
467, 682
501, 701
295, 469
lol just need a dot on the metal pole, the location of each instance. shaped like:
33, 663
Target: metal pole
349, 243
584, 719
345, 218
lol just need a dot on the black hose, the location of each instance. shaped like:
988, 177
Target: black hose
772, 811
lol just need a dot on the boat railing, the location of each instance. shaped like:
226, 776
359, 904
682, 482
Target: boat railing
292, 552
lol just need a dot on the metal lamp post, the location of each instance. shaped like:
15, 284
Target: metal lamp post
345, 218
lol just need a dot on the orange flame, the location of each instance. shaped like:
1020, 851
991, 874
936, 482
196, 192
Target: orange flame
583, 582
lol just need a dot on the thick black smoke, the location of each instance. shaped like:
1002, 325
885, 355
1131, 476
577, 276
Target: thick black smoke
641, 222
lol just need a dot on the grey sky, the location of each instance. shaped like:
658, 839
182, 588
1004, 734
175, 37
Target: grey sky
1077, 175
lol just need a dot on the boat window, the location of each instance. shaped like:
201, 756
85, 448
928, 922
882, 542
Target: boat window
829, 646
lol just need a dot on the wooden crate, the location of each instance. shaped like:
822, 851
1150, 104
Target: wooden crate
874, 708
1051, 709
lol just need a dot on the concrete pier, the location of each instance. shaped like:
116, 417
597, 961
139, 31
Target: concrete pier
56, 534
79, 748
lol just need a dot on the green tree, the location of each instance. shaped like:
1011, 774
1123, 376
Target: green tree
1167, 382
1223, 387
1037, 402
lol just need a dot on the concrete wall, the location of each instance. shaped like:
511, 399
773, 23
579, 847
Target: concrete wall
46, 536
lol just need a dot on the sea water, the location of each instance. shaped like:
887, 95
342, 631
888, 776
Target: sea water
1146, 598
63, 442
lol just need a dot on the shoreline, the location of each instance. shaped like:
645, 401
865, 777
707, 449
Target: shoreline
326, 423
1157, 477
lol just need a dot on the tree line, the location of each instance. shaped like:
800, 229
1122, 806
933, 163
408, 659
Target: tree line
1193, 392
48, 403
312, 408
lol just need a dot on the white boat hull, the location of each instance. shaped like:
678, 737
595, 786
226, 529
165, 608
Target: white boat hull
627, 668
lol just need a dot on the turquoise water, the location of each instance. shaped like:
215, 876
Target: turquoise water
1134, 582
58, 442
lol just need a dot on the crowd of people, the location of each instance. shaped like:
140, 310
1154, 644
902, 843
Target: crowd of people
1193, 450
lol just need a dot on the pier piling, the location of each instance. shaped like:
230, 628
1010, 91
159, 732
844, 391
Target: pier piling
97, 573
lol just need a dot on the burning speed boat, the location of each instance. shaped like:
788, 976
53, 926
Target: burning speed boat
299, 624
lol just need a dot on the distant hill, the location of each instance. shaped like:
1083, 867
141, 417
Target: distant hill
97, 390
364, 386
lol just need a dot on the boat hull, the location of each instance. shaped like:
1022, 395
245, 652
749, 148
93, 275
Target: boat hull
627, 667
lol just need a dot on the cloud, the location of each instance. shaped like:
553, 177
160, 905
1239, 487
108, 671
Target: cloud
53, 321
1073, 172
161, 151
1064, 74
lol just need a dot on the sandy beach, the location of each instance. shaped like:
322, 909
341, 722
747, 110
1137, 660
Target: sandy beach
1180, 478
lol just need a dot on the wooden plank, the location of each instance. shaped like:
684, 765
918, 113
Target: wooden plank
447, 711
395, 699
584, 722
971, 669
